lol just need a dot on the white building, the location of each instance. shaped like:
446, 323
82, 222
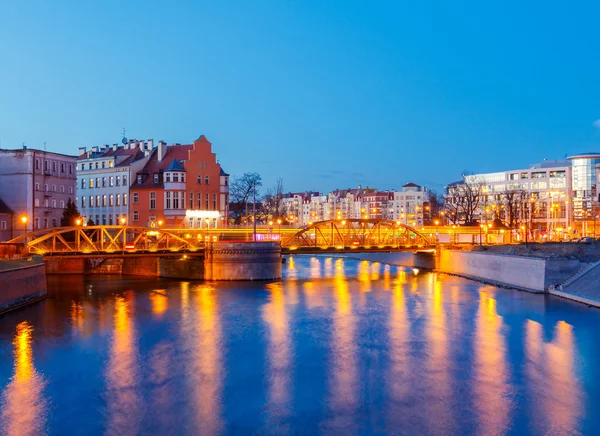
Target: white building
410, 206
104, 176
36, 185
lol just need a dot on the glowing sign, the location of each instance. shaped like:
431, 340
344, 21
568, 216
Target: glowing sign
202, 213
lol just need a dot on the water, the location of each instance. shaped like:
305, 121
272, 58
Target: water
338, 347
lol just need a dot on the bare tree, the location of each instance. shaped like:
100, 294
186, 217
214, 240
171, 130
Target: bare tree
241, 191
513, 200
463, 200
273, 201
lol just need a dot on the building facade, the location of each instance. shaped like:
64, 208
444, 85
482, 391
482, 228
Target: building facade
104, 176
36, 185
7, 222
181, 186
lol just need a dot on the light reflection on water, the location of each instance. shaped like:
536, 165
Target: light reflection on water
338, 347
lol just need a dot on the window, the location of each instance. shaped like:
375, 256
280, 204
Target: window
110, 163
70, 168
62, 167
97, 182
37, 223
118, 199
104, 200
111, 200
199, 201
3, 225
136, 215
206, 201
538, 175
37, 202
45, 165
97, 222
124, 180
118, 181
175, 200
54, 222
191, 200
62, 189
70, 189
96, 165
175, 177
82, 201
90, 166
91, 201
45, 187
214, 201
206, 180
167, 177
139, 180
54, 203
104, 182
91, 184
199, 180
97, 201
135, 198
183, 177
103, 164
53, 166
124, 199
110, 220
155, 178
62, 204
37, 186
37, 164
82, 183
168, 200
53, 188
104, 219
45, 223
111, 181
153, 200
226, 181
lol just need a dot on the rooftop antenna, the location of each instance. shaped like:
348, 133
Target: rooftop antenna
124, 140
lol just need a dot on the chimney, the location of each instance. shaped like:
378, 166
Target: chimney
82, 150
150, 144
126, 146
114, 147
95, 149
162, 150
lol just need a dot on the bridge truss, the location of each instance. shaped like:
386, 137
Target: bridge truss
106, 239
357, 233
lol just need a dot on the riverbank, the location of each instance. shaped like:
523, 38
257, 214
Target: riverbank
23, 282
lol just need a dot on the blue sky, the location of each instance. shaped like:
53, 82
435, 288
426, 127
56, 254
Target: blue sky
326, 94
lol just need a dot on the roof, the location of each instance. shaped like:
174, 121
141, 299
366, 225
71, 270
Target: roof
153, 166
411, 185
589, 154
109, 152
222, 173
175, 166
4, 208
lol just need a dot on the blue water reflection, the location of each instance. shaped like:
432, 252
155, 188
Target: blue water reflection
337, 347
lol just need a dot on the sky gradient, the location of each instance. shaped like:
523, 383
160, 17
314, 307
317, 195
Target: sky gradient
325, 94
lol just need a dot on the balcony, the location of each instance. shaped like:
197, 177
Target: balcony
47, 194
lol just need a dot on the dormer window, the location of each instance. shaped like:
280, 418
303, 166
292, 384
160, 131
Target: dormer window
139, 179
155, 178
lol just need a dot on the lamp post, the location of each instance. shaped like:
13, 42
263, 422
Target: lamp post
344, 233
123, 221
278, 228
24, 221
437, 235
480, 234
454, 232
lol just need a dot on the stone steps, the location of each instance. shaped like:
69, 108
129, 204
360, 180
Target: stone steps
580, 273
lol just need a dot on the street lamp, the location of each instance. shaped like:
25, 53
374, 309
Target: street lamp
123, 221
279, 227
78, 221
24, 221
437, 236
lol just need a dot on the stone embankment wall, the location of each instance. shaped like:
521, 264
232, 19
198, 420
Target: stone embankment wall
533, 274
243, 261
23, 282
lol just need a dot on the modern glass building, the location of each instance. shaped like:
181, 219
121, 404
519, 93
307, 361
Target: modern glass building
585, 167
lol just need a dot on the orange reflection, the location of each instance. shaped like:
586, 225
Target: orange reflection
77, 316
491, 372
159, 301
274, 314
343, 380
24, 406
438, 363
313, 297
315, 268
375, 267
551, 367
291, 263
124, 413
208, 377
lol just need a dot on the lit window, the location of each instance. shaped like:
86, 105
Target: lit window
136, 215
135, 198
153, 200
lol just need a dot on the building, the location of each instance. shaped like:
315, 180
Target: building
36, 185
104, 176
181, 186
547, 198
410, 206
6, 222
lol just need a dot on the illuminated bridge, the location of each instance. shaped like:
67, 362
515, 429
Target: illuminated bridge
352, 234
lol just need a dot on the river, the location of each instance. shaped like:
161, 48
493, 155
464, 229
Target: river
336, 347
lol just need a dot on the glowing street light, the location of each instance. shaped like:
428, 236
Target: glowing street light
78, 221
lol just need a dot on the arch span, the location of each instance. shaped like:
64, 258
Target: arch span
358, 232
104, 239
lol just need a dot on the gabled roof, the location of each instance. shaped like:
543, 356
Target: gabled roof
153, 166
411, 185
175, 166
4, 208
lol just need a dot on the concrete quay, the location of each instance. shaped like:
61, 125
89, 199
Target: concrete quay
23, 282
